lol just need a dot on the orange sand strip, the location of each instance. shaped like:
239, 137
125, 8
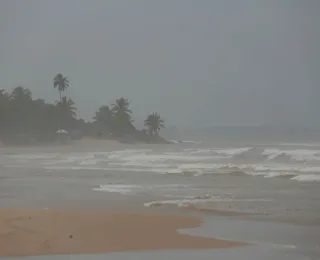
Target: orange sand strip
36, 232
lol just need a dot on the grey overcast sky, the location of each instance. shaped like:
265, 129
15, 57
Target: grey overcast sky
196, 62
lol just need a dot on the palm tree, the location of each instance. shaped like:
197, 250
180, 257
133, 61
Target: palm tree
122, 123
154, 123
60, 82
121, 108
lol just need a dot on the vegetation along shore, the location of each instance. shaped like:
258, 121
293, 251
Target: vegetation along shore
25, 120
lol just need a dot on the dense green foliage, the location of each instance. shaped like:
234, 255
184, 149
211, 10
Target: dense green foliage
36, 120
154, 123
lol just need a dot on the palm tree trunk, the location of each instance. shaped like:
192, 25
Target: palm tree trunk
60, 112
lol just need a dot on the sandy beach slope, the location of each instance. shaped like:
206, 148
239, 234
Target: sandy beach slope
36, 232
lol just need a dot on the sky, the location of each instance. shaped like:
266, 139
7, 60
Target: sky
196, 62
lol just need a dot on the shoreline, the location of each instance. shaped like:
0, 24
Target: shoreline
84, 145
26, 232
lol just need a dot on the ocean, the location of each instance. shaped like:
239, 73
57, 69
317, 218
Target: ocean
278, 181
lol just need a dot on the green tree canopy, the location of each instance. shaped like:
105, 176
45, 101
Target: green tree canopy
61, 83
154, 123
122, 122
104, 118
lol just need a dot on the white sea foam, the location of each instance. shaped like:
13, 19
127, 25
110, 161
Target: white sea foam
282, 168
164, 157
128, 189
179, 202
116, 188
296, 154
191, 142
199, 151
187, 201
270, 174
174, 141
307, 177
193, 161
234, 151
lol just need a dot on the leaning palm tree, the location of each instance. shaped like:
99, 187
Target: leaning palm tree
154, 123
60, 82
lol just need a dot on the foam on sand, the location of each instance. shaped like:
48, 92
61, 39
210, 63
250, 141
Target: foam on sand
179, 202
200, 200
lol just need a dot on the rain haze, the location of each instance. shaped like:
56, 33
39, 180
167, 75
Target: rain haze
204, 63
154, 129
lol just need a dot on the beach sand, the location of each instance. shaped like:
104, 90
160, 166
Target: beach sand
37, 232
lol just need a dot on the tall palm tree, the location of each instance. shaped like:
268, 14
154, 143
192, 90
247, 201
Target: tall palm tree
154, 123
60, 82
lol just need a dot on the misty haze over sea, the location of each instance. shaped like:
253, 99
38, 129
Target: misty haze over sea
245, 134
209, 106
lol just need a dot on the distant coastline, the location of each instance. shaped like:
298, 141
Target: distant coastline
28, 121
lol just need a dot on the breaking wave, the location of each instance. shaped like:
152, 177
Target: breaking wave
196, 201
295, 164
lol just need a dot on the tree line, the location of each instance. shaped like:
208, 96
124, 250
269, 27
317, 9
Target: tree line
22, 116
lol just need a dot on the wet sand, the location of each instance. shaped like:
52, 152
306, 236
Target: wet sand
42, 232
84, 145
